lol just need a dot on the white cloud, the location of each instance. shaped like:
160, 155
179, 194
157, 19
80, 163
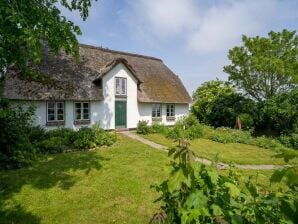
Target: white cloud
204, 27
163, 18
223, 25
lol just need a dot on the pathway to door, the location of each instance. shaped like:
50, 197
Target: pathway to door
202, 160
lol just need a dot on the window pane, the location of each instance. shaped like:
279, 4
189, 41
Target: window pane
86, 116
60, 111
51, 117
78, 105
78, 116
60, 105
60, 117
118, 88
123, 86
86, 111
51, 111
51, 105
86, 105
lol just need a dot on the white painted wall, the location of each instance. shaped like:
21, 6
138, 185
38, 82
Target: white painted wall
103, 112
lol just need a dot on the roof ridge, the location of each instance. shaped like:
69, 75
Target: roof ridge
120, 52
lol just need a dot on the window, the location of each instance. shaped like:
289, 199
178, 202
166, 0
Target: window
82, 110
170, 110
55, 111
120, 84
156, 110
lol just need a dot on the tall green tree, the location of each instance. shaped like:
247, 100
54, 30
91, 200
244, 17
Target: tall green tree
264, 67
26, 25
205, 96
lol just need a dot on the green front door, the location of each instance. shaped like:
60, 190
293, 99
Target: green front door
120, 114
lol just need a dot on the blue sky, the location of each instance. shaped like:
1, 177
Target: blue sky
192, 37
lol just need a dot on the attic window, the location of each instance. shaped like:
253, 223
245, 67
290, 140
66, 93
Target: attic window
120, 86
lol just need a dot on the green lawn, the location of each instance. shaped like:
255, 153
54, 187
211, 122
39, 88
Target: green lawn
228, 153
109, 185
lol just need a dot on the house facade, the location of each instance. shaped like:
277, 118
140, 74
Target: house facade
114, 89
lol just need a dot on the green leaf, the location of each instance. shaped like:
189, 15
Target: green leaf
216, 210
196, 199
176, 179
277, 175
233, 190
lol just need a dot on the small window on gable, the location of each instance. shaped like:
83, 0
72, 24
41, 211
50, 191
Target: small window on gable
170, 110
120, 86
55, 111
156, 110
82, 111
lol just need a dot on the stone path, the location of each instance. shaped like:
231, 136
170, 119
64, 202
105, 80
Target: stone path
202, 160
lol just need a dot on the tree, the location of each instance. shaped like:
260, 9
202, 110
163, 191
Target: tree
264, 67
205, 96
26, 25
227, 108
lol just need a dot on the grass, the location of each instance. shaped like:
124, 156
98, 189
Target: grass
109, 185
228, 153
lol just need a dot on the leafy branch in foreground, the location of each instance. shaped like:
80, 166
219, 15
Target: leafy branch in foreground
195, 193
26, 25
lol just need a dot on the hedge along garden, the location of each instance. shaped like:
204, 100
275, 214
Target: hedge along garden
22, 143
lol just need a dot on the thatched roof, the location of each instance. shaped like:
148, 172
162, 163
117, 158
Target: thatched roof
63, 79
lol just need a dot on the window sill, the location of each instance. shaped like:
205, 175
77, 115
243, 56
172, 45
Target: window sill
78, 122
121, 96
55, 123
171, 118
156, 118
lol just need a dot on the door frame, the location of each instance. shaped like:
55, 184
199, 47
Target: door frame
125, 126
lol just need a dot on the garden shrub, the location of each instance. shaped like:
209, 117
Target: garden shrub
143, 128
16, 149
268, 143
53, 145
196, 193
290, 141
193, 129
159, 128
247, 121
101, 137
228, 135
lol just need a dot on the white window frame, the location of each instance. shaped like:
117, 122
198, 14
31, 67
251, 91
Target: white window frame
155, 110
81, 111
170, 110
122, 91
55, 110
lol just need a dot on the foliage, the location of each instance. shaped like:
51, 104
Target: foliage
195, 193
280, 113
264, 67
291, 141
16, 148
62, 139
159, 128
26, 25
247, 121
188, 127
143, 128
228, 135
227, 108
205, 96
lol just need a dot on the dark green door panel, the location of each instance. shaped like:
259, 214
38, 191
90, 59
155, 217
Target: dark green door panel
120, 114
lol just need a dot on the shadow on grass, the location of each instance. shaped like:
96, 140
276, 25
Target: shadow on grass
57, 171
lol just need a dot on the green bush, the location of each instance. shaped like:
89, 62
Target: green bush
268, 143
101, 137
247, 121
228, 135
16, 149
159, 128
53, 145
143, 128
290, 141
187, 127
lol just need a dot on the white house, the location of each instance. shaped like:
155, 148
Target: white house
115, 89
